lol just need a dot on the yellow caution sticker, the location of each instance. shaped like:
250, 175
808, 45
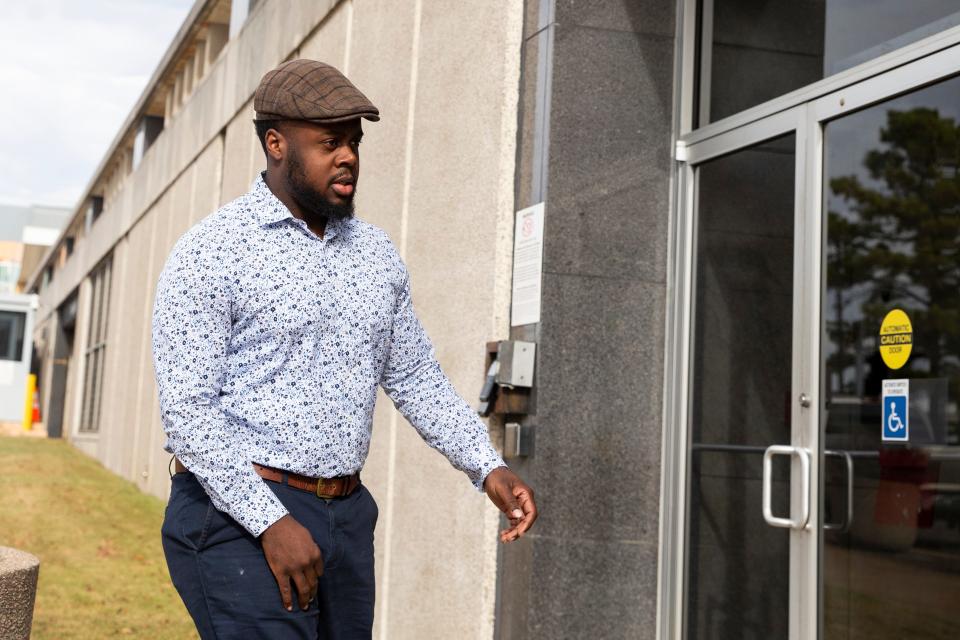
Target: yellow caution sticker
896, 339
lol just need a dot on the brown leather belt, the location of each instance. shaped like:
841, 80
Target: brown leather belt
326, 488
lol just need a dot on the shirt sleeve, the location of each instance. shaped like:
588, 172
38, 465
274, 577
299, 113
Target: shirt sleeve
423, 394
191, 333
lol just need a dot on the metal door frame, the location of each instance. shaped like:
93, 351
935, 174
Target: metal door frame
804, 111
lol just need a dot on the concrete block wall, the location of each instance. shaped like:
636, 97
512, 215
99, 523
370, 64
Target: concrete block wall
437, 175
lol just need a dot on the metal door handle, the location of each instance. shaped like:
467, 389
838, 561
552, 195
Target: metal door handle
845, 523
804, 456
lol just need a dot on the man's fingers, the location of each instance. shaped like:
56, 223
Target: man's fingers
312, 583
317, 570
514, 498
512, 532
306, 582
529, 510
303, 589
283, 581
523, 515
513, 504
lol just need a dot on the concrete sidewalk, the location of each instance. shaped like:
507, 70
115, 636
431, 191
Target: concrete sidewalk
39, 430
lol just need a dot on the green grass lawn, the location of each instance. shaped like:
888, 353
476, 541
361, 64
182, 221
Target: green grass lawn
102, 572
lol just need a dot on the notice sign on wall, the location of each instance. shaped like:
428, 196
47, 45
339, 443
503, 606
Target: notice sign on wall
896, 410
527, 266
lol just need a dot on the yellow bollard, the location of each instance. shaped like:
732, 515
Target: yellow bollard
28, 410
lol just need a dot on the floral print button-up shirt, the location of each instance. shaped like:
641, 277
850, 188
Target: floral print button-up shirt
269, 343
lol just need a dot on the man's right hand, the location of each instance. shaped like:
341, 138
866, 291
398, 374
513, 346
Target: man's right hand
292, 554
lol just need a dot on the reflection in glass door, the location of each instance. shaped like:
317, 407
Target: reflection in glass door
738, 566
890, 519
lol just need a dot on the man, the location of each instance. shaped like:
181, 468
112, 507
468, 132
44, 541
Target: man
275, 319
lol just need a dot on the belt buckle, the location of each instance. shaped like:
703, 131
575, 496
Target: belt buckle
323, 485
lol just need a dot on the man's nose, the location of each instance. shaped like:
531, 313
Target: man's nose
347, 156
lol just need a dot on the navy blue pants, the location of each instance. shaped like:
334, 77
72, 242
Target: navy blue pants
223, 578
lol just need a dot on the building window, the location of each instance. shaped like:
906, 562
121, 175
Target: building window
12, 327
148, 131
754, 51
94, 209
94, 357
240, 10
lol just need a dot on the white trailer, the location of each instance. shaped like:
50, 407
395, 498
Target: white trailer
16, 348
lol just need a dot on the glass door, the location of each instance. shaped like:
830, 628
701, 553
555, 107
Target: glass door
748, 467
812, 408
890, 440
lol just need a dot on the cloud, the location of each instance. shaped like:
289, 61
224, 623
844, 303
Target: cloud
72, 71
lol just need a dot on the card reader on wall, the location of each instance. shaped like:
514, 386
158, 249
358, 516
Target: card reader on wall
516, 360
509, 378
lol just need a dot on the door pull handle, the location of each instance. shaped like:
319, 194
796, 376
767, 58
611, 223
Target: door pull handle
804, 456
844, 524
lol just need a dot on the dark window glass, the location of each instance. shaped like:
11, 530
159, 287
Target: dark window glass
96, 346
12, 326
738, 566
755, 50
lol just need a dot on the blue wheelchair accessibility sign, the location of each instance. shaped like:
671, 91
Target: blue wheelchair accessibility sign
896, 407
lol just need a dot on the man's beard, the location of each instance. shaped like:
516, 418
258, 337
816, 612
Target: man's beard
313, 204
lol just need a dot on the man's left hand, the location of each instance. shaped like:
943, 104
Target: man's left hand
514, 498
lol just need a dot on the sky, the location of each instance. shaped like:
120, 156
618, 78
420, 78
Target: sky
71, 70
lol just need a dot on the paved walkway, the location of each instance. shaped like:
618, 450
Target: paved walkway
39, 430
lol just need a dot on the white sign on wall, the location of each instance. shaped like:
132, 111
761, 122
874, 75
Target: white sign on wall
527, 266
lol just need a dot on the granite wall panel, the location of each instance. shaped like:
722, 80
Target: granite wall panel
589, 568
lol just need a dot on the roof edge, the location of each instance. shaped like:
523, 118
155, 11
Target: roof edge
182, 38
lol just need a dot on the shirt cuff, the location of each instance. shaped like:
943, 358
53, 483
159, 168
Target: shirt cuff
256, 522
485, 468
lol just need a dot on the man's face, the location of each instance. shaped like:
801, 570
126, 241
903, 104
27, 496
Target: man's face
321, 167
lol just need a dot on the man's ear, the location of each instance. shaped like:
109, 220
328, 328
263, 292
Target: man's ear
276, 145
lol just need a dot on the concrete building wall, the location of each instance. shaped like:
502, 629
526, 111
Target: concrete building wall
451, 215
437, 175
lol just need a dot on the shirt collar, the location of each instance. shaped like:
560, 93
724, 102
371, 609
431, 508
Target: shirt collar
268, 209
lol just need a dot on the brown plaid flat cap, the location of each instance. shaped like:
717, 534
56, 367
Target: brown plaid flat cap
310, 90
